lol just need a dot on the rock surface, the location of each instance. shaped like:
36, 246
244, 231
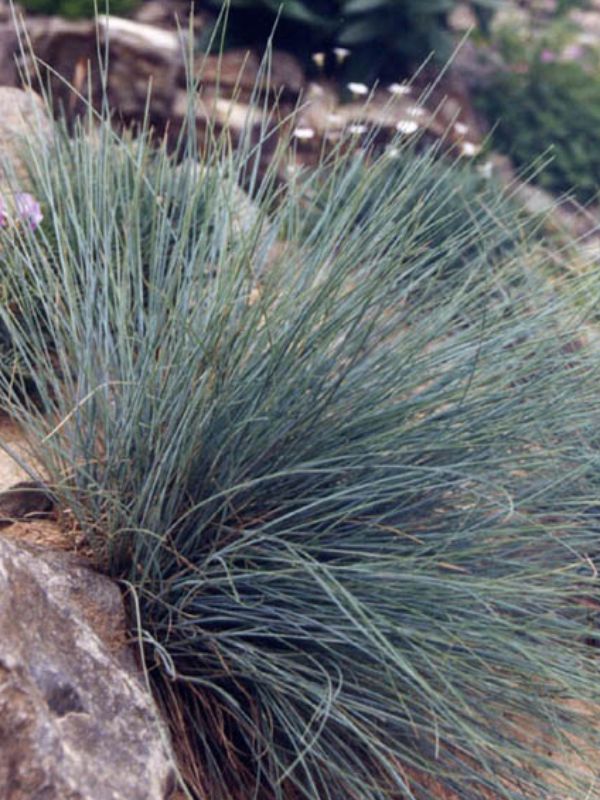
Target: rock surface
13, 441
22, 114
8, 48
25, 500
76, 722
143, 59
235, 92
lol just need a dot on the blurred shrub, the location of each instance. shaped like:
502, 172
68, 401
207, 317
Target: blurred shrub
77, 8
547, 100
565, 6
384, 36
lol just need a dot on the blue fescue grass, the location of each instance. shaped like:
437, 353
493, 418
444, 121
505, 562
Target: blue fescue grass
334, 452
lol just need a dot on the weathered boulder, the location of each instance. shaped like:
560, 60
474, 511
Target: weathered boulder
240, 72
68, 47
232, 200
22, 115
9, 45
174, 15
14, 442
76, 721
143, 58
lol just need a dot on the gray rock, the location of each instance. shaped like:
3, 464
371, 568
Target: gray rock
22, 115
232, 201
76, 721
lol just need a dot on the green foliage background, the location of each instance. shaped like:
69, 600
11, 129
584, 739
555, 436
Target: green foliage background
385, 36
77, 8
553, 108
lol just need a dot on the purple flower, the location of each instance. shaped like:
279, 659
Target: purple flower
547, 56
574, 52
28, 209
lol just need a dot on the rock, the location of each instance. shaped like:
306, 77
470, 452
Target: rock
462, 18
10, 10
13, 441
239, 70
390, 115
244, 212
172, 15
215, 113
67, 47
9, 45
25, 500
76, 722
22, 115
141, 57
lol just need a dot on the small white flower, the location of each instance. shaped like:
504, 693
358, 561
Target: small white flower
341, 54
398, 88
358, 88
304, 133
319, 59
461, 128
357, 129
486, 170
469, 149
393, 152
415, 111
292, 170
407, 126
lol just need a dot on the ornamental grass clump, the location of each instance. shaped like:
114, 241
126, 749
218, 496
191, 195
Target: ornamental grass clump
337, 479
